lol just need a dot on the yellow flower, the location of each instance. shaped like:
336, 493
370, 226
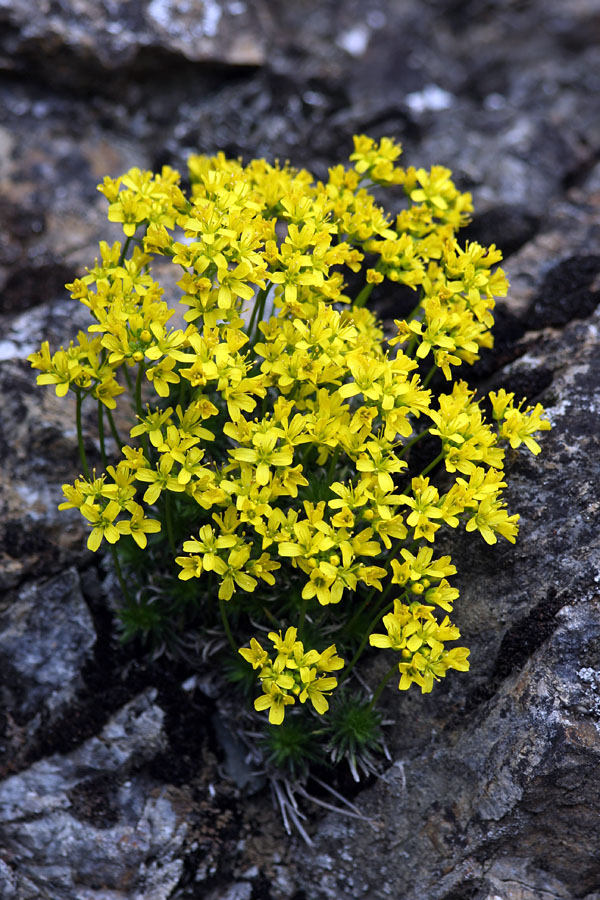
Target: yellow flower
312, 409
138, 526
209, 545
103, 522
275, 700
322, 580
329, 661
264, 455
382, 463
285, 646
233, 573
255, 655
315, 689
492, 518
160, 479
519, 426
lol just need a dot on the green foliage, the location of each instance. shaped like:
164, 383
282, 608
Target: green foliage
292, 747
354, 732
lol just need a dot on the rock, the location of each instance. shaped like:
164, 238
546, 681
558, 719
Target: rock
571, 289
93, 38
85, 825
46, 637
509, 227
515, 790
38, 445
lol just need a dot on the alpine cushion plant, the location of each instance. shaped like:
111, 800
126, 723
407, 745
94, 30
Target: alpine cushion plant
273, 484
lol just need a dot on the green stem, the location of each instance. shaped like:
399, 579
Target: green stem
82, 455
432, 464
429, 375
270, 616
225, 621
113, 429
381, 685
138, 407
334, 458
169, 522
257, 314
362, 645
348, 626
182, 388
411, 346
128, 379
416, 309
303, 606
364, 295
138, 390
412, 442
254, 313
119, 573
101, 433
124, 250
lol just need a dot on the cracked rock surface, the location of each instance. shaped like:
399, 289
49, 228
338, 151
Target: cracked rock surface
118, 780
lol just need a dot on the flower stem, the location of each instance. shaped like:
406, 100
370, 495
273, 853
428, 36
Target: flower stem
113, 429
412, 315
303, 606
359, 652
82, 455
381, 686
334, 458
119, 573
257, 314
128, 380
432, 464
364, 295
138, 406
270, 616
411, 346
101, 433
124, 250
226, 626
429, 375
253, 315
138, 390
413, 441
169, 522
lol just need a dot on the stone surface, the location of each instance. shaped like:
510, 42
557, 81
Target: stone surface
115, 779
46, 638
38, 445
91, 37
514, 795
82, 825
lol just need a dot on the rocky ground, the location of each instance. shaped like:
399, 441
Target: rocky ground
118, 780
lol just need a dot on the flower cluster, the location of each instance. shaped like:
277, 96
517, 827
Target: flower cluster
276, 423
295, 673
101, 503
417, 634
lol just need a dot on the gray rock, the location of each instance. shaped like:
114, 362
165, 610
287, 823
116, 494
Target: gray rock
112, 35
514, 789
46, 637
38, 447
85, 826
